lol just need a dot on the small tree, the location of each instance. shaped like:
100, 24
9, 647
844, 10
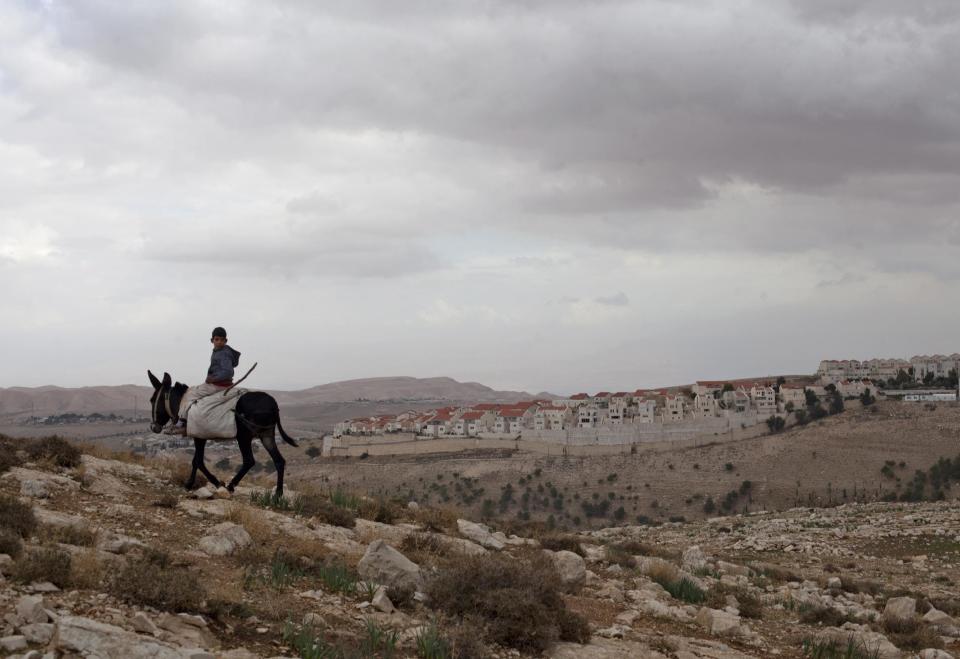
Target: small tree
776, 424
867, 398
789, 407
836, 403
811, 397
801, 416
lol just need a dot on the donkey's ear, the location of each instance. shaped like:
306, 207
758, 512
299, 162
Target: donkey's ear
153, 380
166, 379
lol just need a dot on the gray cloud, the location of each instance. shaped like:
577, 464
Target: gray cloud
618, 300
533, 174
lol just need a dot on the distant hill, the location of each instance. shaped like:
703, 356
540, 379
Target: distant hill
401, 388
24, 401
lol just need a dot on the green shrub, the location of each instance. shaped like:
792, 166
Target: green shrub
431, 645
682, 589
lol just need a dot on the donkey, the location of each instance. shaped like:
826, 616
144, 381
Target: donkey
257, 416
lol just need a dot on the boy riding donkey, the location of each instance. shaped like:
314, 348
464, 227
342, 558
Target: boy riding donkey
219, 377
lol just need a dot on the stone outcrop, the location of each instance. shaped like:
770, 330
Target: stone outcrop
90, 638
480, 534
225, 539
384, 565
571, 567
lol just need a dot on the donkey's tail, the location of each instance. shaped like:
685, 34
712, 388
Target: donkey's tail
283, 433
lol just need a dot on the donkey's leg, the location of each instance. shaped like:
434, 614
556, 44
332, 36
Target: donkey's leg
270, 444
198, 462
246, 450
195, 464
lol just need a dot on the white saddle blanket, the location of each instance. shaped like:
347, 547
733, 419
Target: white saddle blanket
212, 417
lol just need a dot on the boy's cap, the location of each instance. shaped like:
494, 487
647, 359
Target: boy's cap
219, 331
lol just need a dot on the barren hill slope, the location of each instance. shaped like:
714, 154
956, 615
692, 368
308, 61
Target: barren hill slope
112, 559
124, 398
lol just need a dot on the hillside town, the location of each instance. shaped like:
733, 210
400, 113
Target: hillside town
747, 402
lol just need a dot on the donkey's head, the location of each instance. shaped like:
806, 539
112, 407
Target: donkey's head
159, 402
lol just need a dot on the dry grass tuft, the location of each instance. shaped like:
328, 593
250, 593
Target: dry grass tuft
253, 521
167, 501
823, 615
8, 454
10, 543
322, 508
152, 581
438, 520
176, 472
16, 517
750, 605
67, 535
86, 570
54, 450
519, 601
423, 548
561, 542
380, 510
899, 625
43, 564
919, 638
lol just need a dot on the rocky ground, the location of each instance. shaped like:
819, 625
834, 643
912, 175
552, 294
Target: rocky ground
116, 560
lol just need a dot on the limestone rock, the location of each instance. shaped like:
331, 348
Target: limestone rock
381, 602
90, 638
202, 493
40, 484
719, 623
60, 520
602, 648
933, 653
734, 569
38, 633
648, 565
186, 631
225, 539
571, 567
385, 565
117, 543
900, 609
314, 621
13, 643
143, 624
31, 609
938, 618
694, 559
479, 534
874, 643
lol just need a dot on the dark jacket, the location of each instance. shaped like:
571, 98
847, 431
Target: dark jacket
222, 362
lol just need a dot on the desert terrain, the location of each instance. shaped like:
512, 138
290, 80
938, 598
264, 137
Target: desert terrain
105, 556
837, 460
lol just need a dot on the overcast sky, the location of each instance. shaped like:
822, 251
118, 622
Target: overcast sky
555, 195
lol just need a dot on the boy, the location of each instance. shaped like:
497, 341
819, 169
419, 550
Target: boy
219, 377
